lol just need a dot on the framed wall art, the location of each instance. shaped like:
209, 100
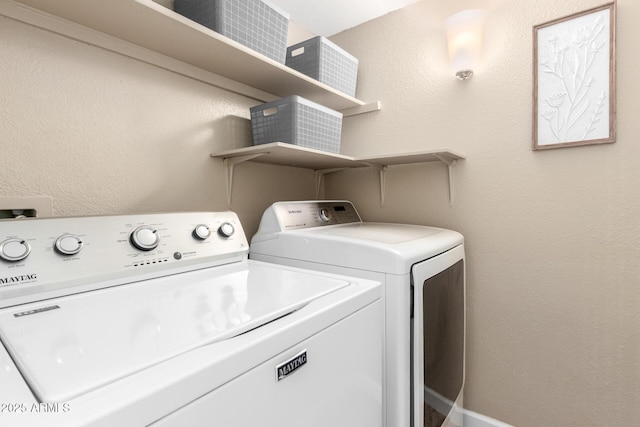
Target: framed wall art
574, 72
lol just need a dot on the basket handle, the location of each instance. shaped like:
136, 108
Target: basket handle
298, 51
270, 111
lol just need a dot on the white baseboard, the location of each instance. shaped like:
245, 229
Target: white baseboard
457, 414
473, 419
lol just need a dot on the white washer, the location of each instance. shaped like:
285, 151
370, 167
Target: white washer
423, 275
162, 320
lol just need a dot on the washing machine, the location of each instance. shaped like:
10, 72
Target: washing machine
161, 319
422, 270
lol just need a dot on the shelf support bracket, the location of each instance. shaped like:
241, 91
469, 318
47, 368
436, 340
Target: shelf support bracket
382, 171
319, 179
229, 165
450, 165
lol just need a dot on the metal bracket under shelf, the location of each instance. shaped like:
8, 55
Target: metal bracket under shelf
326, 163
319, 179
231, 162
229, 165
450, 165
382, 168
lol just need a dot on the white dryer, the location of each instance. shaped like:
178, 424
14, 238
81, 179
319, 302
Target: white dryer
423, 274
162, 320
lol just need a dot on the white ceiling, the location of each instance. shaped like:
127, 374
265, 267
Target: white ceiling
329, 17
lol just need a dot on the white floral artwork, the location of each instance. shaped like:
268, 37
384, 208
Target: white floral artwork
573, 81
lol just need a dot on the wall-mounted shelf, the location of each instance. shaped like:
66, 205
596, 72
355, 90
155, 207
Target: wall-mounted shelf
283, 154
279, 153
381, 163
152, 26
143, 28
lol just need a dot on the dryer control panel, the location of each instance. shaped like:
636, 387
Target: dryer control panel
296, 215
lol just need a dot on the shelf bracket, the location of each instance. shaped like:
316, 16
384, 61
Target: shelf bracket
450, 165
382, 171
229, 165
319, 178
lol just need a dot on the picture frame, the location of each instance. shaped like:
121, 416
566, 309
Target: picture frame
574, 84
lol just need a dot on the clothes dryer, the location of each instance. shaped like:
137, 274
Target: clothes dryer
423, 274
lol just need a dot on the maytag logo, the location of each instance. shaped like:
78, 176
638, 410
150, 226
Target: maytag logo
287, 368
18, 279
295, 212
36, 311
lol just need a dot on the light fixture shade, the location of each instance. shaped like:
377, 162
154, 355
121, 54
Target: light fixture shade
464, 39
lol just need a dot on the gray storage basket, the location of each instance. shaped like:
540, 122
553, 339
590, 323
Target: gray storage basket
326, 62
256, 24
296, 120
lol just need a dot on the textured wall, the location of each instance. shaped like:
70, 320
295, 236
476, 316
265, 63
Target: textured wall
102, 133
552, 238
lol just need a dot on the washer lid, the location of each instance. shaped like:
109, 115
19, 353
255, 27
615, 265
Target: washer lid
68, 346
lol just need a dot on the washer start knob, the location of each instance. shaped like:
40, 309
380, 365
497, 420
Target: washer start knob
226, 230
68, 244
201, 232
145, 238
14, 250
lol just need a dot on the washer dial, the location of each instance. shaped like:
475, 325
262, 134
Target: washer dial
68, 244
145, 238
13, 250
226, 230
201, 232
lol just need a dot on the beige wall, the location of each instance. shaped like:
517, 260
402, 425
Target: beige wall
552, 238
102, 133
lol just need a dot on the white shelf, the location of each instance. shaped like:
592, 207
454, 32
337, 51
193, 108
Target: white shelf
283, 154
417, 157
381, 163
280, 153
152, 26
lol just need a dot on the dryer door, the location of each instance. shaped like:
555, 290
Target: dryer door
438, 340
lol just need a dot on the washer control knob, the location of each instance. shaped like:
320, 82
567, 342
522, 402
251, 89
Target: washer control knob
324, 215
13, 250
145, 238
226, 230
68, 244
201, 232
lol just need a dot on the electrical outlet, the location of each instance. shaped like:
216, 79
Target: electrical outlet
27, 206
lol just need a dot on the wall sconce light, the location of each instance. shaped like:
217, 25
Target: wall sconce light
464, 39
